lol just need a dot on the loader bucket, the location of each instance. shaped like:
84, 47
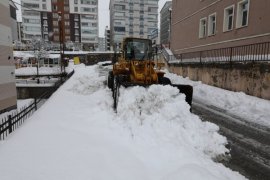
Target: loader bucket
187, 90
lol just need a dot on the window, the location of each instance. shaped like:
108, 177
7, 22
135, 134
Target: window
75, 1
75, 9
66, 8
242, 13
44, 6
212, 24
54, 8
119, 29
55, 23
228, 18
202, 30
30, 5
46, 37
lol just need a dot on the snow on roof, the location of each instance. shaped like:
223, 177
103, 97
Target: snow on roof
23, 54
54, 56
28, 54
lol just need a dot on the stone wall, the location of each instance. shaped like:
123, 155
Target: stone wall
252, 78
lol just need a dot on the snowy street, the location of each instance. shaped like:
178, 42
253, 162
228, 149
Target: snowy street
249, 143
77, 135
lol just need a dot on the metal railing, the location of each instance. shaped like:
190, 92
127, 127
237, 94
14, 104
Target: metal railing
246, 53
14, 120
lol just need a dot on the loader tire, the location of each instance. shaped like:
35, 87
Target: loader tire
110, 80
164, 81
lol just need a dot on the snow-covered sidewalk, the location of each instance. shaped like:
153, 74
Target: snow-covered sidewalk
77, 135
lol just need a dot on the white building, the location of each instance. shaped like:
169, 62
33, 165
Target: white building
78, 19
86, 21
136, 18
31, 17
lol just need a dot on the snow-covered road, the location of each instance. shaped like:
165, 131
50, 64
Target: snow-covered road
77, 135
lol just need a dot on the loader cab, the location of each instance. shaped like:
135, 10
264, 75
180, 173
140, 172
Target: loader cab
137, 49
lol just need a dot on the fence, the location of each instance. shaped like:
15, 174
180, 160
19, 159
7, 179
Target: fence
11, 122
247, 53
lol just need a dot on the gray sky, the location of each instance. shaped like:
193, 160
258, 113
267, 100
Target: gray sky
104, 16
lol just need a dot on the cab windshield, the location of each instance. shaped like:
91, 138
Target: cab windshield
138, 49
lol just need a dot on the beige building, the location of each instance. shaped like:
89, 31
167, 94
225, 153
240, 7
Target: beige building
211, 24
8, 96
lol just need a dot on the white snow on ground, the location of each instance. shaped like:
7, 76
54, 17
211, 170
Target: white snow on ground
251, 108
77, 135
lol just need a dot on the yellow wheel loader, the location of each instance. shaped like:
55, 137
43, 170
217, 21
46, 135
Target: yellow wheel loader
136, 67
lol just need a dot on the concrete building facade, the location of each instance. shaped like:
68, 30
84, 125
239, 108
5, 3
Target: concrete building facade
78, 19
132, 18
205, 25
8, 95
165, 18
101, 44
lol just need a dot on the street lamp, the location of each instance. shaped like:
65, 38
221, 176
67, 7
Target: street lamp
170, 24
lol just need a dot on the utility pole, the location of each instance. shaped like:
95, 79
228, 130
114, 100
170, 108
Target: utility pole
61, 41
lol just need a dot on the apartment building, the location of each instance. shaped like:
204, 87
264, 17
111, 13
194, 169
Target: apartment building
136, 18
203, 25
8, 95
74, 20
165, 24
101, 44
107, 35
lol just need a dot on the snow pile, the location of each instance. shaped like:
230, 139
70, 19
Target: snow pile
251, 108
162, 111
87, 83
77, 135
